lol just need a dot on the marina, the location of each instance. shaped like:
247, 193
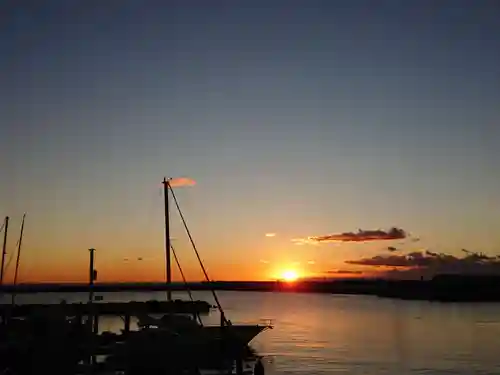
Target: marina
250, 188
171, 336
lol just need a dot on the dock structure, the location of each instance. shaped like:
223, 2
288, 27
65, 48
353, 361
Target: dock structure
36, 340
65, 337
112, 308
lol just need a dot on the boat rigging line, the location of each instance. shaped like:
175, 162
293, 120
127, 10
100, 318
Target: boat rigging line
197, 316
219, 307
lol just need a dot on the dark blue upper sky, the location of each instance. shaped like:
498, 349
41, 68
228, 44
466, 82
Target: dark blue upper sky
296, 117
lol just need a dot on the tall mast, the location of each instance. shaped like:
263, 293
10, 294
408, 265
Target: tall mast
18, 258
167, 240
4, 248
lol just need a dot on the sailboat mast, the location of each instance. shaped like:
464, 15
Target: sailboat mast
4, 248
167, 240
18, 259
19, 250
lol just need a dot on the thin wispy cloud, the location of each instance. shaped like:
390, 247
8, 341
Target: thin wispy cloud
311, 262
344, 272
181, 181
270, 234
264, 261
304, 241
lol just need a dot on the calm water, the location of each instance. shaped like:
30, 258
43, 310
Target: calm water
328, 334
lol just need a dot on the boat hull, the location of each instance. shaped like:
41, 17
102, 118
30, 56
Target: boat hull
238, 333
234, 335
186, 327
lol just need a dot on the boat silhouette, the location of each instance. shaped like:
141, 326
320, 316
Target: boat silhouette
191, 327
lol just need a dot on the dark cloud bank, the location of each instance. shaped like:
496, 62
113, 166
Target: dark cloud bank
428, 263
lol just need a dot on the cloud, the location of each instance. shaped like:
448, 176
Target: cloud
409, 260
311, 262
264, 261
270, 234
304, 241
345, 272
360, 236
181, 181
430, 263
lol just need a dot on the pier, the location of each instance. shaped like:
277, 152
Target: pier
111, 308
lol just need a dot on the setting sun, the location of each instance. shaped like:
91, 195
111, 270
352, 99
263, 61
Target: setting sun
289, 275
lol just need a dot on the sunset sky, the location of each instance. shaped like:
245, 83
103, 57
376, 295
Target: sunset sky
296, 119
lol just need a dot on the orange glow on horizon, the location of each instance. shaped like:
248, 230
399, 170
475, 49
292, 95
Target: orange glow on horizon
113, 269
289, 275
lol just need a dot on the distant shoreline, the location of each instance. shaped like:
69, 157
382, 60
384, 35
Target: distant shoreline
444, 288
305, 286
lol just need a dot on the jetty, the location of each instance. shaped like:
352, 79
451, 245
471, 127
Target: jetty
112, 308
123, 309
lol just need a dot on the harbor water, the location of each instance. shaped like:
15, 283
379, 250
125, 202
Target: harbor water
337, 334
